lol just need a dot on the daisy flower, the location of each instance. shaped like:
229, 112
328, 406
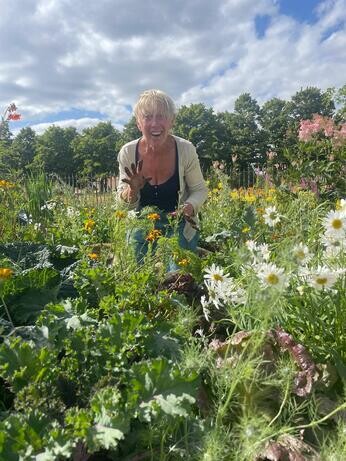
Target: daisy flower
322, 278
230, 293
251, 245
271, 216
334, 245
259, 252
205, 307
215, 274
214, 294
335, 223
301, 254
272, 276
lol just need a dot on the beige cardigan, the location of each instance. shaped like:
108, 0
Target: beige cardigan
193, 188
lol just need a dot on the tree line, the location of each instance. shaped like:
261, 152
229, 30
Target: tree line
247, 134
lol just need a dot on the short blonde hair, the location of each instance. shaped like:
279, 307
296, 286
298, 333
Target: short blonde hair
155, 101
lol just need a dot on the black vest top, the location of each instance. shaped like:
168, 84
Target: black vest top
164, 196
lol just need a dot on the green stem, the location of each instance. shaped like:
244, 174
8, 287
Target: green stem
7, 311
305, 426
282, 404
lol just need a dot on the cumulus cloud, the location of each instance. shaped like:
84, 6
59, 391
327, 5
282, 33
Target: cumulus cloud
98, 56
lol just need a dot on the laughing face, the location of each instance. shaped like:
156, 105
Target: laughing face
155, 127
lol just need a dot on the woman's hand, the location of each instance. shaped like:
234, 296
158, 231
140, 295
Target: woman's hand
135, 180
188, 212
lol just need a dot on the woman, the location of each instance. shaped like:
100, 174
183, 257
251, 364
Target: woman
162, 170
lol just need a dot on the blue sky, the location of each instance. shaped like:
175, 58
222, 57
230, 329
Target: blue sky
77, 62
301, 10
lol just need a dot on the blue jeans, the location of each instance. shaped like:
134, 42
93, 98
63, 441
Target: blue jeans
136, 238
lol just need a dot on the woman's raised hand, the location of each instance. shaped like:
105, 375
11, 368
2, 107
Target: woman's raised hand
135, 179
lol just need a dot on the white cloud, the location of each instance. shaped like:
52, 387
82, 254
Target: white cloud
98, 56
79, 124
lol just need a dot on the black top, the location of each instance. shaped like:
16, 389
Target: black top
164, 196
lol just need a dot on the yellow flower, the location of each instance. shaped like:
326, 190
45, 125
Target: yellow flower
120, 214
93, 256
153, 216
183, 262
153, 235
215, 190
5, 273
249, 198
89, 225
246, 229
234, 194
220, 185
5, 184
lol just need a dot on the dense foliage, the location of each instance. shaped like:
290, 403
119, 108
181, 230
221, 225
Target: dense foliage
249, 134
238, 355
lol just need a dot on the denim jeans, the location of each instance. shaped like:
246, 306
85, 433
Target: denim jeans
137, 238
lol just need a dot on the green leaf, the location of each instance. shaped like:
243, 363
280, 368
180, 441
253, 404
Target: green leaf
159, 384
103, 437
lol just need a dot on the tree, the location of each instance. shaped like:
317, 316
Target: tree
95, 149
275, 123
130, 131
54, 150
243, 127
305, 103
24, 147
340, 99
203, 128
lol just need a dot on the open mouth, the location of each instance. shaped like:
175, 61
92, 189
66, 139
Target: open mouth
156, 134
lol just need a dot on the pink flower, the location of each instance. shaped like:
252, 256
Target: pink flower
318, 124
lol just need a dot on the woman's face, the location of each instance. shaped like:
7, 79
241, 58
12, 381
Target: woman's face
155, 127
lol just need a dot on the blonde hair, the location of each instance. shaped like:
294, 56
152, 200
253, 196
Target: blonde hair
155, 101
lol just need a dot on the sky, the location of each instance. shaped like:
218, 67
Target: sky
79, 62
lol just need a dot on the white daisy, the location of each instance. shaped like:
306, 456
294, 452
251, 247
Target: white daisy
251, 245
205, 307
272, 276
263, 252
215, 274
334, 245
271, 216
322, 278
335, 223
72, 212
301, 254
214, 291
259, 252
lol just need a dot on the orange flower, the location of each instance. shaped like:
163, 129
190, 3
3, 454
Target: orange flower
93, 256
153, 235
153, 216
89, 225
120, 214
5, 273
5, 184
183, 262
13, 116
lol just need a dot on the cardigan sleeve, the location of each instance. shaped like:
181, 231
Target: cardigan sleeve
196, 187
124, 160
